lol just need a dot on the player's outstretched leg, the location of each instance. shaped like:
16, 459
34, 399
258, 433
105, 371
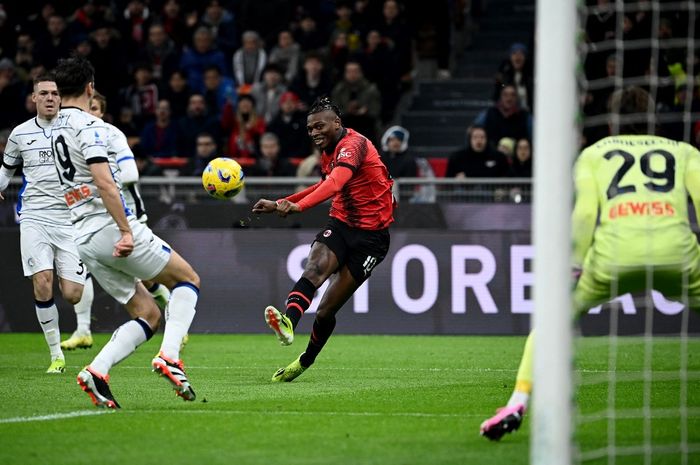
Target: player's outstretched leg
290, 372
174, 372
509, 418
298, 301
280, 324
82, 337
97, 387
506, 420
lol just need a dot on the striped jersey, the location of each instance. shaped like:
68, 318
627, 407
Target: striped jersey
40, 197
118, 148
366, 201
80, 139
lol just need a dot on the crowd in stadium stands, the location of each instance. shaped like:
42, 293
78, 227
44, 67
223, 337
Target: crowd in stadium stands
194, 79
671, 63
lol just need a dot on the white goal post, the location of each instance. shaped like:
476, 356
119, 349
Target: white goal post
555, 144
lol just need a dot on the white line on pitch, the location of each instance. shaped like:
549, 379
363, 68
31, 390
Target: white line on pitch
54, 416
296, 413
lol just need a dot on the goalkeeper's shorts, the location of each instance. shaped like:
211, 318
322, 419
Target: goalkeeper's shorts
602, 282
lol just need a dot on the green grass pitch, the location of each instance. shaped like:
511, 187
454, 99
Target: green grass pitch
368, 400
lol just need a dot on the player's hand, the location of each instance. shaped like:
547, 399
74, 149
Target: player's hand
1, 197
285, 207
264, 206
124, 246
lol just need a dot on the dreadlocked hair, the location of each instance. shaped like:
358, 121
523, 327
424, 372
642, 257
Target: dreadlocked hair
323, 104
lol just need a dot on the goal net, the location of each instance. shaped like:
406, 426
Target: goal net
636, 379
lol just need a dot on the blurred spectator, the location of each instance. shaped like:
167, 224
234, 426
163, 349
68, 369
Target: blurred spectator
53, 43
197, 58
159, 137
11, 95
477, 160
133, 25
286, 55
313, 82
249, 61
431, 22
160, 53
595, 102
310, 167
144, 163
220, 22
141, 96
24, 54
338, 54
600, 26
359, 100
196, 121
505, 118
309, 36
397, 35
506, 146
521, 166
290, 127
380, 67
516, 71
206, 151
395, 155
178, 93
36, 23
269, 163
243, 127
267, 93
108, 57
218, 90
125, 122
174, 23
343, 23
267, 18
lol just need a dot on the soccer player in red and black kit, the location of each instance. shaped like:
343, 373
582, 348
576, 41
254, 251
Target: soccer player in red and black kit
355, 240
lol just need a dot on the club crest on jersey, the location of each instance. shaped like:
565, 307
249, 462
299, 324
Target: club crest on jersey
327, 233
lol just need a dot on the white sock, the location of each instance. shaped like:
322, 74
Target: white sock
123, 343
84, 307
178, 319
47, 314
519, 397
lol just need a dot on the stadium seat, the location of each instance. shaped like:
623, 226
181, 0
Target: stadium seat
439, 165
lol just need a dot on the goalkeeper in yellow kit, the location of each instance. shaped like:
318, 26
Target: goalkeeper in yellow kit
637, 186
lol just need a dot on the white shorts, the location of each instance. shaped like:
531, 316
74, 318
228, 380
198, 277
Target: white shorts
118, 275
43, 245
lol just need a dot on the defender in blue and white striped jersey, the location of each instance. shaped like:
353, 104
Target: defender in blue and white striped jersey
118, 249
118, 148
46, 234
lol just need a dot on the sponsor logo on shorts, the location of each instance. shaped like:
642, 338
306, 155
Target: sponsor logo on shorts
327, 233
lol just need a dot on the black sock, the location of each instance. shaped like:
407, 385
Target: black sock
319, 336
299, 299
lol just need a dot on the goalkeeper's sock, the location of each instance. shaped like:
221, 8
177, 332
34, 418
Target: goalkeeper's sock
299, 299
320, 333
523, 383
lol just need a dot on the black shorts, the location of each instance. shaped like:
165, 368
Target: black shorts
360, 249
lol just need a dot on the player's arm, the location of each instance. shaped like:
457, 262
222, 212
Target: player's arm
326, 189
268, 206
11, 160
129, 172
692, 179
585, 212
109, 192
